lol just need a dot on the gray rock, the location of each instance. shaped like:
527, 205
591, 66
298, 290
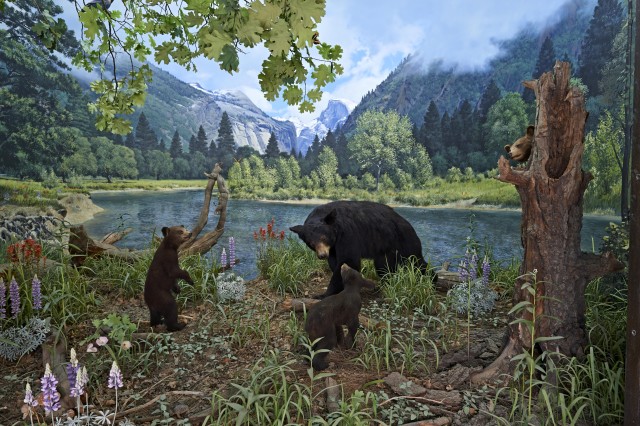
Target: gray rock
403, 386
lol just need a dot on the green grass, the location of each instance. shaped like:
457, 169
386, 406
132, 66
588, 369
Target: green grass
288, 264
483, 192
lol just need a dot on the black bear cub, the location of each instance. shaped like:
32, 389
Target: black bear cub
326, 318
162, 279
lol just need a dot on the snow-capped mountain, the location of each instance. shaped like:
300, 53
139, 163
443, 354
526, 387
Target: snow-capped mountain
331, 118
251, 126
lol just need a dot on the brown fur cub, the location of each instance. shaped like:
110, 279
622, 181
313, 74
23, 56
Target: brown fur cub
162, 279
520, 150
326, 318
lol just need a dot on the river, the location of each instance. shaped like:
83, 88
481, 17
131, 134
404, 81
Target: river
443, 231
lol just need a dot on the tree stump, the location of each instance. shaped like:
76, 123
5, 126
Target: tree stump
551, 189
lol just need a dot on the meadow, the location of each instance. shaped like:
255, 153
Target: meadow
244, 358
475, 190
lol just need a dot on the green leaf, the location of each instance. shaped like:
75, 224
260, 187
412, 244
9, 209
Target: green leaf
279, 39
292, 94
229, 59
519, 306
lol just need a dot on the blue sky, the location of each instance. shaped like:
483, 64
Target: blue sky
377, 34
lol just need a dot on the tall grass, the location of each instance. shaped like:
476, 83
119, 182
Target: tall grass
409, 289
288, 264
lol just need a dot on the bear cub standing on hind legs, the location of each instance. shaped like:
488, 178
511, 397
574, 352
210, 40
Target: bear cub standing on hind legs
326, 318
162, 278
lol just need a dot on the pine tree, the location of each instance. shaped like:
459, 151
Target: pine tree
490, 96
201, 142
330, 140
213, 152
469, 128
162, 147
146, 139
430, 135
226, 143
193, 143
445, 125
176, 146
598, 42
545, 63
345, 165
272, 151
130, 141
310, 160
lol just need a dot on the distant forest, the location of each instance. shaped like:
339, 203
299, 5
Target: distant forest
458, 122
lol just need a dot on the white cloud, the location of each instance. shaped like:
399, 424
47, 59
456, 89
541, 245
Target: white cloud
375, 36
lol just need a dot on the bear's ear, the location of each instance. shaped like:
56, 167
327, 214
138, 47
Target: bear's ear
297, 229
331, 217
507, 148
368, 283
530, 130
165, 231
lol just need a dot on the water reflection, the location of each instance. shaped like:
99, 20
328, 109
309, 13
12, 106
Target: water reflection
443, 231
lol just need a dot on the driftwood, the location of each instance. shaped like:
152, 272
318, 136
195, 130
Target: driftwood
114, 237
551, 189
299, 305
204, 243
81, 245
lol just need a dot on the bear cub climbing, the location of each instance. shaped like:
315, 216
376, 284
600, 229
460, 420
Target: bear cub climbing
162, 278
520, 150
326, 318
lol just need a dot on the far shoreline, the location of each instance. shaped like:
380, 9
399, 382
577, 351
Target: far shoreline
463, 204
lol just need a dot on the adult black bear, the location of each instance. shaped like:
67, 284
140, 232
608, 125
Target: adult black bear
326, 318
162, 278
348, 231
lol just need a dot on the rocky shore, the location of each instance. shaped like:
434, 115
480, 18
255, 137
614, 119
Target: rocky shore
18, 223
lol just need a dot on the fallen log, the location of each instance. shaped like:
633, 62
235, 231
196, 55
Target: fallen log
113, 237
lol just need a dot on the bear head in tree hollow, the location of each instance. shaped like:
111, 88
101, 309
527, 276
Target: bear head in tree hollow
520, 150
326, 318
348, 231
162, 278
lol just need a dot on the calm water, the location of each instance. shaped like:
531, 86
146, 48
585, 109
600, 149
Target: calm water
443, 231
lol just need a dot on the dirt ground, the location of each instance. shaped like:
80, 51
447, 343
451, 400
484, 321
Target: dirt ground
169, 378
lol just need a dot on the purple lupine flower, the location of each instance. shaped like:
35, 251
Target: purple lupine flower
72, 368
223, 258
473, 266
36, 293
82, 378
28, 397
14, 295
232, 252
50, 396
486, 269
3, 300
115, 376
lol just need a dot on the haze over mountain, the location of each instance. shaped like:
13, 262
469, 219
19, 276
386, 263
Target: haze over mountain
415, 82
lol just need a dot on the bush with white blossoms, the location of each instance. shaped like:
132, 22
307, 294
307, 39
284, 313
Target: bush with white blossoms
230, 286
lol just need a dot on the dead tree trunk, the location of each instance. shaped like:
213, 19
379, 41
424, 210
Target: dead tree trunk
204, 243
551, 190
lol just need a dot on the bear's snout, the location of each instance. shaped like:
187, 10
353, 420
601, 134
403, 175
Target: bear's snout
322, 250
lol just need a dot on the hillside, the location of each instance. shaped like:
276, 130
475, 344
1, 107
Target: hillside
413, 85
